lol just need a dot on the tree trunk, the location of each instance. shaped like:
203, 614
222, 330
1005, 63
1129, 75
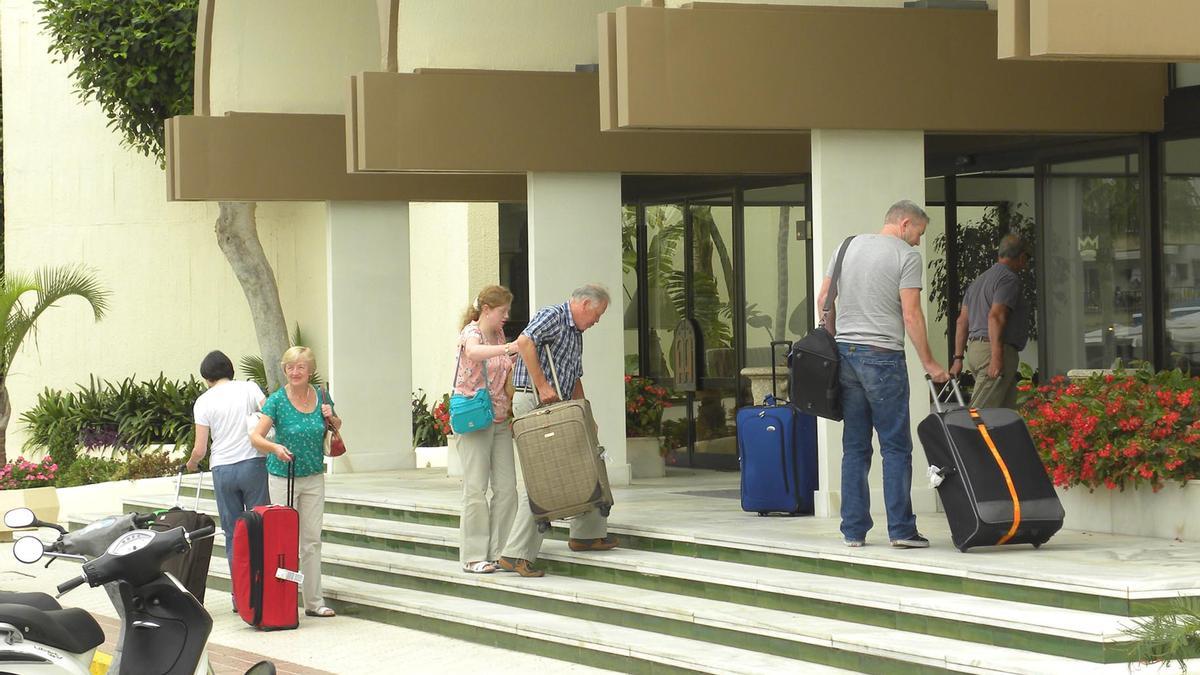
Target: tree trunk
237, 235
5, 414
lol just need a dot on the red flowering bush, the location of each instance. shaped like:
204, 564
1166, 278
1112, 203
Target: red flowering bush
21, 473
644, 404
1117, 430
441, 415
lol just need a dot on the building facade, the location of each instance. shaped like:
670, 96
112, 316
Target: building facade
703, 161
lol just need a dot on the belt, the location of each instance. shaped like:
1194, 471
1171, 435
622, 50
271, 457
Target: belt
528, 390
983, 339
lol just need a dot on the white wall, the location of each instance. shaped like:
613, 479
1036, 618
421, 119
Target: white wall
72, 194
290, 55
500, 34
892, 166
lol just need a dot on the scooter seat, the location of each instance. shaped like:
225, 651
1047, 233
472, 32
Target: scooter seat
72, 630
42, 601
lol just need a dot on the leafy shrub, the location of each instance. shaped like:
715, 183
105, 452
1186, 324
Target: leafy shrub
1117, 430
430, 426
127, 417
644, 404
136, 58
147, 465
87, 470
22, 473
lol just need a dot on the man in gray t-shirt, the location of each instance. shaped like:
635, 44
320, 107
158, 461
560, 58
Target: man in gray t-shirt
879, 300
992, 328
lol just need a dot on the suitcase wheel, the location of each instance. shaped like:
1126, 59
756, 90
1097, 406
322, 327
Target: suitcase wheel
962, 549
762, 514
1038, 544
605, 509
542, 527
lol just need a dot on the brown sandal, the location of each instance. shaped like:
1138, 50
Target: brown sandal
520, 566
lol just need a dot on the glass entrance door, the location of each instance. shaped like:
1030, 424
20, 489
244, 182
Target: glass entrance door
737, 266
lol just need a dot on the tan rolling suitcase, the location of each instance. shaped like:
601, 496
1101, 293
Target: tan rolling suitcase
561, 460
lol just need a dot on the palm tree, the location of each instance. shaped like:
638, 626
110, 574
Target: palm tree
47, 286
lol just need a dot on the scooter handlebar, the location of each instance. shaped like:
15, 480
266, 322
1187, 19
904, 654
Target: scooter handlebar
71, 584
141, 519
206, 531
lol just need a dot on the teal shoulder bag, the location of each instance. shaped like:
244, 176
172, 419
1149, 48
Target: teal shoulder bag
470, 413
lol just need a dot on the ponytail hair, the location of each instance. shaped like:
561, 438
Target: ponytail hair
490, 296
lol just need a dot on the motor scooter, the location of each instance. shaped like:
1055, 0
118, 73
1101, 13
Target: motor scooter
164, 629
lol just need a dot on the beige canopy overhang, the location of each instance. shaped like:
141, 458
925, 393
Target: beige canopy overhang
1115, 30
299, 157
776, 68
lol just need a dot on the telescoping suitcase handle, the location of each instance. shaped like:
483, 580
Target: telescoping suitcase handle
937, 394
775, 343
179, 487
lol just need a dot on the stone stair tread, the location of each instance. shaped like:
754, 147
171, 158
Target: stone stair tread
916, 648
1067, 623
1065, 566
659, 648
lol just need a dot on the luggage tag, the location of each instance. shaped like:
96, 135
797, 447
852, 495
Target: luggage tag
288, 575
935, 476
603, 454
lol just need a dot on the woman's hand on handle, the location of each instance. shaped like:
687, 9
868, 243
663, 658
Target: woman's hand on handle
281, 453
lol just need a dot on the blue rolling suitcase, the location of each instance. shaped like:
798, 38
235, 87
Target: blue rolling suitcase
777, 449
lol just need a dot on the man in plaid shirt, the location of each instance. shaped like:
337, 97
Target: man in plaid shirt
555, 331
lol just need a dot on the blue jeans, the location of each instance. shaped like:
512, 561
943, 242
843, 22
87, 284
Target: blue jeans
240, 487
875, 395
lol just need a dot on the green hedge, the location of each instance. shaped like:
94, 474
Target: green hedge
128, 417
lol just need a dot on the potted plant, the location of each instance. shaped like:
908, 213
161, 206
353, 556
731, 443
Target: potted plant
1115, 442
431, 431
30, 484
644, 446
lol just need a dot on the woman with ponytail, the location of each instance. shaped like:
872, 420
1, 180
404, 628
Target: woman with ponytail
485, 360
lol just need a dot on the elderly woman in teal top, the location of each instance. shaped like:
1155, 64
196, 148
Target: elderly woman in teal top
298, 413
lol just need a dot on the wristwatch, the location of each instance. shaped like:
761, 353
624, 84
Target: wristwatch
506, 351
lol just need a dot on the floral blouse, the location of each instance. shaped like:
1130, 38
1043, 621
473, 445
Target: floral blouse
470, 372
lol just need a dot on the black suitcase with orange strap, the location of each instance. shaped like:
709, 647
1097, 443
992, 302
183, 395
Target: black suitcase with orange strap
993, 485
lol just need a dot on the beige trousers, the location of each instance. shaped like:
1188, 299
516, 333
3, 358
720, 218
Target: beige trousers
993, 392
309, 501
487, 461
525, 541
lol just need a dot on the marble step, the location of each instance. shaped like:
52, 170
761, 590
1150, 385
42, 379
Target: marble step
1069, 572
863, 648
595, 643
1065, 632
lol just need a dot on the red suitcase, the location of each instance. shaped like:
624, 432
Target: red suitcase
266, 560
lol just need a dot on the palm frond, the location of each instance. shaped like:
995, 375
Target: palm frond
49, 285
1173, 635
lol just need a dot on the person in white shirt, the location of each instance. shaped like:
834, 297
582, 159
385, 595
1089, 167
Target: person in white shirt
239, 471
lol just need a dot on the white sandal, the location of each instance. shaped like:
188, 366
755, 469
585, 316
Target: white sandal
479, 567
320, 611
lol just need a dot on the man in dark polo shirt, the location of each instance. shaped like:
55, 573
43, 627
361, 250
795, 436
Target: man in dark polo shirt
993, 328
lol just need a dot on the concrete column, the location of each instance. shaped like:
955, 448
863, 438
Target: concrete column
856, 176
574, 238
370, 342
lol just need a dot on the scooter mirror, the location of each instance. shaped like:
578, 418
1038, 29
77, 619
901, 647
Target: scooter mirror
28, 549
17, 518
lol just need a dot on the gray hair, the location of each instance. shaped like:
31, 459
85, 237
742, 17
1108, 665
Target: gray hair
1011, 246
595, 294
905, 208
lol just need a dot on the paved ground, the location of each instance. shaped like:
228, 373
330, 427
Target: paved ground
339, 645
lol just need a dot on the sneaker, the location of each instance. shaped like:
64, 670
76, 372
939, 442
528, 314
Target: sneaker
854, 543
915, 541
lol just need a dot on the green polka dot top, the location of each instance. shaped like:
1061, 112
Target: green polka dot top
303, 434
